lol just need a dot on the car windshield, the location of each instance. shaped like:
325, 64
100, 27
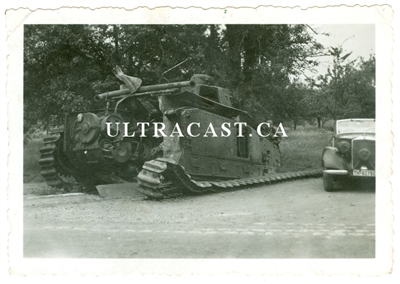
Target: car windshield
355, 125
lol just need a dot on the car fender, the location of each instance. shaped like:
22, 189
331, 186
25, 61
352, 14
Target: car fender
331, 159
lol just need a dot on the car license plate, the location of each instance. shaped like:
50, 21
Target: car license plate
364, 173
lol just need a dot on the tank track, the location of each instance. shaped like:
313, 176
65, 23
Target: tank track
48, 161
55, 168
162, 178
60, 173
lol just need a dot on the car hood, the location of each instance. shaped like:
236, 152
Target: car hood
356, 135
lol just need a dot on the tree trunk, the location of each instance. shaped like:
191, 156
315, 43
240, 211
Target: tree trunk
234, 34
116, 42
319, 122
130, 62
250, 46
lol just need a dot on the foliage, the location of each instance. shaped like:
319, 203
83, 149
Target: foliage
302, 149
65, 65
265, 62
62, 64
347, 90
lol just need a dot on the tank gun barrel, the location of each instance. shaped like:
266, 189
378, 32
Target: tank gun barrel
144, 89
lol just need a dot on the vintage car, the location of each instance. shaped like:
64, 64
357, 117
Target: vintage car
352, 152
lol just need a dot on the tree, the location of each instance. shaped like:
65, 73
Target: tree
362, 89
315, 106
264, 62
61, 64
348, 88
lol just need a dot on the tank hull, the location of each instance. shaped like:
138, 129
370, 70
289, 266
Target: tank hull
204, 145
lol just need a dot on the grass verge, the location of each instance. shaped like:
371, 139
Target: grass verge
302, 149
31, 161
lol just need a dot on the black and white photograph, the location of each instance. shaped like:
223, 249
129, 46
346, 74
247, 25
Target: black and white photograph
220, 143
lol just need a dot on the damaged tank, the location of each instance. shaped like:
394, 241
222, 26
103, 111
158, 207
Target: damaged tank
160, 137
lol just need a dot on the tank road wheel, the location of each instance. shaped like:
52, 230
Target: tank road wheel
329, 182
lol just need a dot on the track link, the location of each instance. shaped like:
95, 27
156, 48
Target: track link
48, 161
162, 178
56, 169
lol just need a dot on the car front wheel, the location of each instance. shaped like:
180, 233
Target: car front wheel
329, 182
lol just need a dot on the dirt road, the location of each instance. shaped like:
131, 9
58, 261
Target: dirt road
296, 219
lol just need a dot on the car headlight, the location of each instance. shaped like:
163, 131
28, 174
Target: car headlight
343, 147
364, 154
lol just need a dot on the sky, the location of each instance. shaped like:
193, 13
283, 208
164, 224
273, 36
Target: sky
359, 39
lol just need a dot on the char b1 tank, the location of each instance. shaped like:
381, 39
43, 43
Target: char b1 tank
173, 138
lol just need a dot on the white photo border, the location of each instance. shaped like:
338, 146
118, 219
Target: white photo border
380, 15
